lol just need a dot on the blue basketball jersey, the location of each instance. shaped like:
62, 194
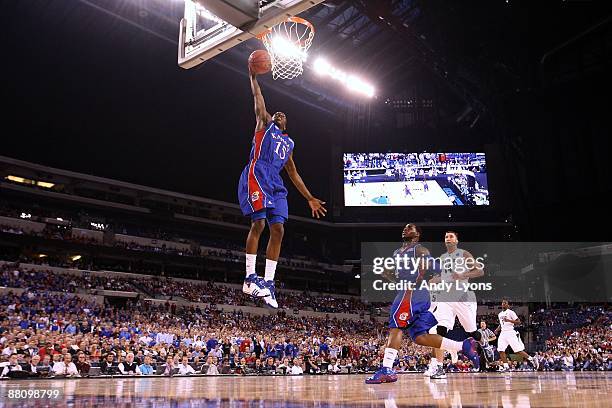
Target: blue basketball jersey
408, 270
261, 185
273, 148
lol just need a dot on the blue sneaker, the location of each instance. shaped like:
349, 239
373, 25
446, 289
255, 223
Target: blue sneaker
470, 350
271, 300
383, 375
255, 286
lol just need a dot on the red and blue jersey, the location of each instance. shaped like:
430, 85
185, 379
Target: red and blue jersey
410, 308
260, 183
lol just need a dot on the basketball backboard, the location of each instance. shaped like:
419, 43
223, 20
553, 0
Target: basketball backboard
210, 27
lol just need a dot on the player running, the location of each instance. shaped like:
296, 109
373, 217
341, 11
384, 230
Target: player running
263, 196
409, 310
510, 337
407, 191
458, 264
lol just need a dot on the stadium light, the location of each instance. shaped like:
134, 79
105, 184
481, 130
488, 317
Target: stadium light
98, 225
22, 180
352, 82
44, 184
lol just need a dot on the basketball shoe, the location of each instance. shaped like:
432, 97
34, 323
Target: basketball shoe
470, 350
271, 299
439, 373
383, 375
255, 286
431, 368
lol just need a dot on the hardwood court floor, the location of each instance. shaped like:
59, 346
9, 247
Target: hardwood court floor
519, 390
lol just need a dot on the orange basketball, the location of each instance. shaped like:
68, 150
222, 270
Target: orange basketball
259, 62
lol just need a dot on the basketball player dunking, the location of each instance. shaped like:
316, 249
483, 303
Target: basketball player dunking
458, 264
510, 337
410, 310
263, 196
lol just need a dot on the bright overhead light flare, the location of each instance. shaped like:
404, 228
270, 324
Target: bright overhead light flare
352, 82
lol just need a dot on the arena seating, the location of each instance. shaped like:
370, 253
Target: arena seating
55, 324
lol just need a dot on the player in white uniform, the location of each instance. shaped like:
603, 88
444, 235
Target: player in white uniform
510, 337
457, 264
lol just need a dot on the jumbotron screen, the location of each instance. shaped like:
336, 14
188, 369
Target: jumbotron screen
415, 179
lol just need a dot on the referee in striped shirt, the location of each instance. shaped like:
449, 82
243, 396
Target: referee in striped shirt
486, 336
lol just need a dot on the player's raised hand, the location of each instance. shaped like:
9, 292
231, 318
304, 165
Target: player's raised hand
316, 207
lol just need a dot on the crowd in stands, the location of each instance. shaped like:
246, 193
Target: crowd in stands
68, 335
15, 276
582, 338
220, 248
471, 161
554, 321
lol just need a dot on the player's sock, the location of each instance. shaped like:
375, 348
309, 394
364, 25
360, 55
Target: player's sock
270, 269
251, 260
390, 355
448, 344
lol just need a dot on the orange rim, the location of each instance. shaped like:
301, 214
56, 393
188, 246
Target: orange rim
293, 19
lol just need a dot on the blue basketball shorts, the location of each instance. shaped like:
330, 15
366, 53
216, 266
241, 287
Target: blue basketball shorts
410, 311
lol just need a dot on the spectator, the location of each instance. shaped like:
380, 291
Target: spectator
269, 366
146, 368
169, 366
185, 368
107, 367
66, 367
211, 367
32, 368
568, 362
333, 366
46, 363
129, 367
82, 364
296, 367
12, 365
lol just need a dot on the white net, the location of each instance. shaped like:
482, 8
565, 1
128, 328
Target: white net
288, 44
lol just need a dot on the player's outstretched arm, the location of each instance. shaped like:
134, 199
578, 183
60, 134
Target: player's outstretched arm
316, 205
261, 114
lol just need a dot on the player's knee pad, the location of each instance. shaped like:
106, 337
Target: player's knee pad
442, 330
476, 335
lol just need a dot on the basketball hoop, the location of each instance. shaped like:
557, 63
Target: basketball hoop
287, 43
